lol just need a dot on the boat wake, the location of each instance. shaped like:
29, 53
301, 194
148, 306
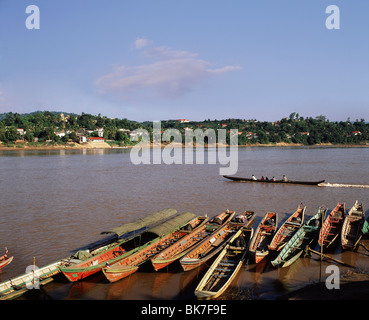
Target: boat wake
342, 185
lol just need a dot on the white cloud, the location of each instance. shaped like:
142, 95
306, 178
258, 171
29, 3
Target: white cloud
172, 74
142, 43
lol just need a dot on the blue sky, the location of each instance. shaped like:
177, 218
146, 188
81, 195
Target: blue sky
167, 59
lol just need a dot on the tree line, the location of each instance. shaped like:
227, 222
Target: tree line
44, 125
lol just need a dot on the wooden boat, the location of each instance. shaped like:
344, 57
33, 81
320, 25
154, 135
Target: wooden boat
211, 246
332, 226
263, 236
352, 226
309, 183
299, 241
18, 285
181, 248
4, 261
226, 266
288, 229
85, 263
129, 264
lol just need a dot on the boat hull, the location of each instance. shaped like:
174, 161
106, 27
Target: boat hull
263, 236
4, 262
225, 268
129, 265
332, 227
307, 183
352, 227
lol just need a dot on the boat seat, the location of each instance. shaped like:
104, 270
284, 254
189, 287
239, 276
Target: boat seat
293, 223
229, 264
221, 275
222, 270
236, 248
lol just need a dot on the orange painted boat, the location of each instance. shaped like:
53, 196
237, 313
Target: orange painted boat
288, 229
130, 264
332, 226
181, 248
213, 244
263, 236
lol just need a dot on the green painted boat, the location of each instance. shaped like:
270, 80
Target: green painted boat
299, 241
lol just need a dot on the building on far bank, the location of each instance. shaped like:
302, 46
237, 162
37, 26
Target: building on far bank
96, 139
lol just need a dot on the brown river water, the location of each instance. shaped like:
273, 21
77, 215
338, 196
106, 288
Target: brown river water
53, 202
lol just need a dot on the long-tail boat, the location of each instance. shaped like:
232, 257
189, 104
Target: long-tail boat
85, 263
308, 183
263, 236
299, 241
288, 229
352, 227
18, 285
181, 248
332, 226
167, 235
213, 244
226, 266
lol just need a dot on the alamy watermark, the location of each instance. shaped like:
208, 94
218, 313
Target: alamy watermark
182, 152
333, 280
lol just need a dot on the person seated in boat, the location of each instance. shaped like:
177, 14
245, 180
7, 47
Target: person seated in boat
284, 178
253, 177
274, 179
262, 178
266, 178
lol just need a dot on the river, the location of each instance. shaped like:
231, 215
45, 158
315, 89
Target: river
55, 201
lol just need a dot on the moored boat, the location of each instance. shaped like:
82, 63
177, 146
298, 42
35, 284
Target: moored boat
168, 233
308, 183
85, 263
299, 241
226, 266
263, 236
332, 226
18, 285
181, 248
288, 229
352, 227
4, 261
212, 245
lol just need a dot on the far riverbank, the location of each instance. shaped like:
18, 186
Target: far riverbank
104, 145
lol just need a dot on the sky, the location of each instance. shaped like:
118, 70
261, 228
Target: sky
149, 60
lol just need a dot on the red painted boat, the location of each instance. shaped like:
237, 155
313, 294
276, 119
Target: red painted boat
213, 244
288, 229
332, 226
263, 236
181, 248
130, 264
4, 261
